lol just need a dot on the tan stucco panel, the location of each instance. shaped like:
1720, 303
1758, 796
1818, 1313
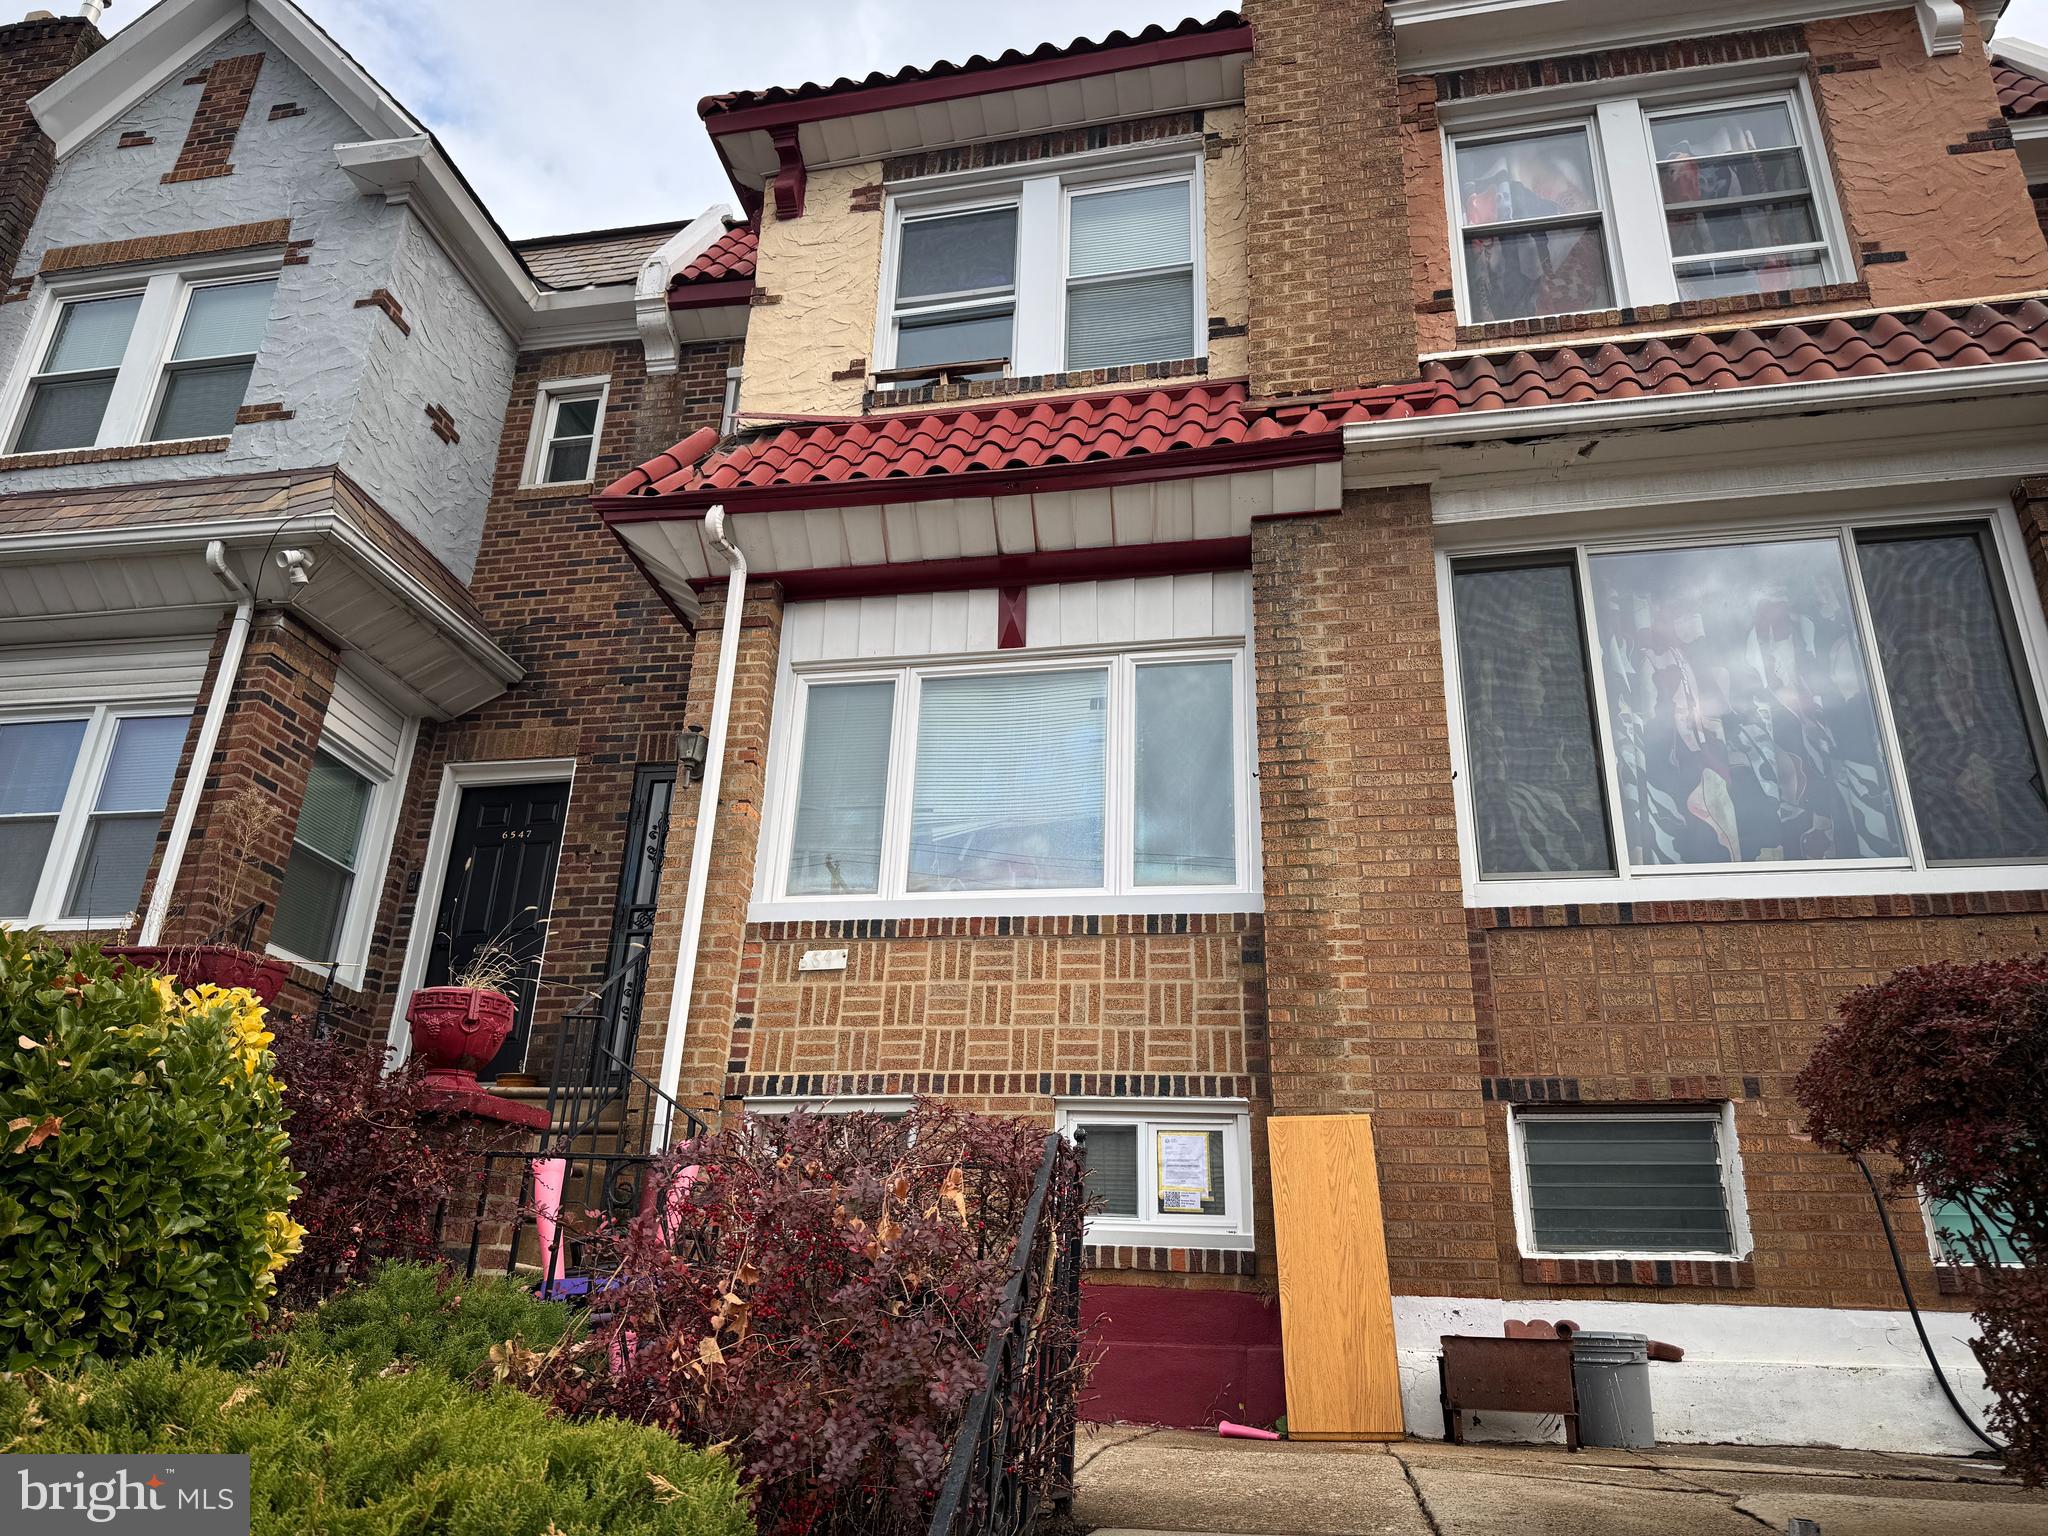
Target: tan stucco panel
819, 280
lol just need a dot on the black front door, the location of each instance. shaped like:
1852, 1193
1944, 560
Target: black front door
498, 889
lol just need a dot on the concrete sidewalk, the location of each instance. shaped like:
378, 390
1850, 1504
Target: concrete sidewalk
1138, 1480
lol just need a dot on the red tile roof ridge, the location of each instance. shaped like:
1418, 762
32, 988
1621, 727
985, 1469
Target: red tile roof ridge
1758, 321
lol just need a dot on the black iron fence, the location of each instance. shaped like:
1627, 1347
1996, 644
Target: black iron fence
1015, 1453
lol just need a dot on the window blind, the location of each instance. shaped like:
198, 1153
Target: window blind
36, 759
143, 762
842, 789
1109, 1156
1133, 320
224, 321
1128, 230
1625, 1185
331, 818
93, 333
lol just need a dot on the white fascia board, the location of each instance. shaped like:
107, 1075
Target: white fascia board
141, 56
658, 338
2028, 57
571, 317
1596, 416
1434, 35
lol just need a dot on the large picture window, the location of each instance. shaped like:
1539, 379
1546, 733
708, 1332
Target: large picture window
1842, 698
1641, 201
1061, 777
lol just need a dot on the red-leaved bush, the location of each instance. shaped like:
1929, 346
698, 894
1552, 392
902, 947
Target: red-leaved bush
818, 1293
378, 1160
1945, 1068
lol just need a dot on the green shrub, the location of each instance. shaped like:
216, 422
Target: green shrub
143, 1180
419, 1313
338, 1454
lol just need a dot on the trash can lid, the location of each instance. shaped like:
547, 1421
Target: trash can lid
1612, 1346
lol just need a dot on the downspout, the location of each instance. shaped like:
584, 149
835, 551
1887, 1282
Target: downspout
707, 817
209, 734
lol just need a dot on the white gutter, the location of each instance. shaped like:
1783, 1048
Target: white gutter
707, 818
1933, 385
209, 734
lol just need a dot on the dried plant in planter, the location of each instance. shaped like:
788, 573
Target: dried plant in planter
248, 814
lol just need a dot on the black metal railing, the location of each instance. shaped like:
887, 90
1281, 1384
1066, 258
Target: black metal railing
1014, 1455
237, 931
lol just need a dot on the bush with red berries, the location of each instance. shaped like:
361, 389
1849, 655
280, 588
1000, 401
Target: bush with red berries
1945, 1069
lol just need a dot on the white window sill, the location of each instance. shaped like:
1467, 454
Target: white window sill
1157, 902
345, 975
1141, 1234
1613, 1256
1761, 883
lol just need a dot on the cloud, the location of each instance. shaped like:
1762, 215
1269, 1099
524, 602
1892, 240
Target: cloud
584, 116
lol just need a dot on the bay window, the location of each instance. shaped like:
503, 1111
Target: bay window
1640, 201
1816, 703
1172, 1171
1094, 266
1074, 779
82, 796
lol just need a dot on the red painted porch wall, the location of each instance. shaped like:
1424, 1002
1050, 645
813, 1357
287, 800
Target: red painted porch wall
1182, 1358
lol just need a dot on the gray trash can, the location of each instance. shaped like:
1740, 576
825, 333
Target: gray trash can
1613, 1375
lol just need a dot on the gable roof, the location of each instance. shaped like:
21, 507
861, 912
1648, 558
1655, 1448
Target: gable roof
594, 257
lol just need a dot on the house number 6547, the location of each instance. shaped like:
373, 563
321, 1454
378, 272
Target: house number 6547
510, 836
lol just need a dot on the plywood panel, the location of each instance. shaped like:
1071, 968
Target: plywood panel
1336, 1307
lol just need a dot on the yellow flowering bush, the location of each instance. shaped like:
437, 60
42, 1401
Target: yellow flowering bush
144, 1189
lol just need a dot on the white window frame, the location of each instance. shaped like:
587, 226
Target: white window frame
547, 403
729, 414
1728, 1149
1038, 343
373, 860
74, 815
833, 1104
1616, 117
139, 381
1910, 874
1179, 1229
1956, 1259
1119, 892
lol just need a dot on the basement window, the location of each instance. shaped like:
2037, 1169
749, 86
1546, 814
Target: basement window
1628, 1185
1951, 1222
1640, 201
568, 421
1172, 1171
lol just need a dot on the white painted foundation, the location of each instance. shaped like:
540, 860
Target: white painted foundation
1751, 1375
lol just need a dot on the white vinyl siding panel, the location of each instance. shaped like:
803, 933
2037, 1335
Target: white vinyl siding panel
362, 722
155, 671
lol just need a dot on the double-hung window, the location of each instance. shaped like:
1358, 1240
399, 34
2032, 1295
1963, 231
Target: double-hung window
327, 846
1652, 1184
1091, 267
82, 796
1845, 706
166, 359
1170, 1171
1081, 781
1641, 201
568, 420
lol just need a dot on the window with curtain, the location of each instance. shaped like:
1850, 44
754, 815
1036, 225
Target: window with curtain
1130, 274
1087, 778
68, 395
127, 809
1846, 697
956, 290
1626, 1184
207, 377
1165, 1165
1738, 201
1532, 228
312, 903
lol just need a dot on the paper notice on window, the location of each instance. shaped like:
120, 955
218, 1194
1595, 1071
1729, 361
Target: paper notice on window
1183, 1170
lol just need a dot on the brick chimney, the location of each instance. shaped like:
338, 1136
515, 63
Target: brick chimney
1329, 239
33, 53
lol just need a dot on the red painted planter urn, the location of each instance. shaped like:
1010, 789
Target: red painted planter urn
455, 1030
193, 965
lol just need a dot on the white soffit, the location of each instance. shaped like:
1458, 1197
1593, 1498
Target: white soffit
1180, 86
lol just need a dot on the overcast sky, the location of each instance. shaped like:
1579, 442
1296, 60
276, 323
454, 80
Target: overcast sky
580, 116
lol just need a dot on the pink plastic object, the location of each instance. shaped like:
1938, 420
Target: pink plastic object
548, 1176
1230, 1431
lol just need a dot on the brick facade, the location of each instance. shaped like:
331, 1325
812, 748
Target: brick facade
33, 54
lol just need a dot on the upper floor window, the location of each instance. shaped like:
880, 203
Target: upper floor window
168, 361
568, 418
1811, 703
1081, 269
1641, 202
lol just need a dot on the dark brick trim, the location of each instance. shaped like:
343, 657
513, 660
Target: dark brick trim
1008, 927
173, 247
218, 119
1620, 63
111, 455
1791, 910
1175, 1261
443, 424
1654, 314
1039, 146
1663, 1274
285, 109
271, 410
881, 401
1529, 1090
133, 138
1053, 1085
382, 298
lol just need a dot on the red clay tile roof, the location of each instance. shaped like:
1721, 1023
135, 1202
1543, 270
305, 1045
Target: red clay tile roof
734, 101
601, 256
2019, 94
1212, 424
1796, 352
731, 255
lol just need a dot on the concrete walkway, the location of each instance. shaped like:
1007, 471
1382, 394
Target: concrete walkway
1161, 1480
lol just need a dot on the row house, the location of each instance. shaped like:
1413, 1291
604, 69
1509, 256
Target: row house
1472, 561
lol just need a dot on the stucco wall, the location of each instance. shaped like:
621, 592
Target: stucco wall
820, 277
346, 375
458, 357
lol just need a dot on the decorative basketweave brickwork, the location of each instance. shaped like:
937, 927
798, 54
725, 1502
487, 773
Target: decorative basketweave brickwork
33, 54
1721, 1008
217, 121
607, 667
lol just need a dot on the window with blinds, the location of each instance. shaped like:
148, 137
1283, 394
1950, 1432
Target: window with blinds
120, 834
207, 377
1178, 1167
68, 396
1627, 1184
313, 901
1130, 274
